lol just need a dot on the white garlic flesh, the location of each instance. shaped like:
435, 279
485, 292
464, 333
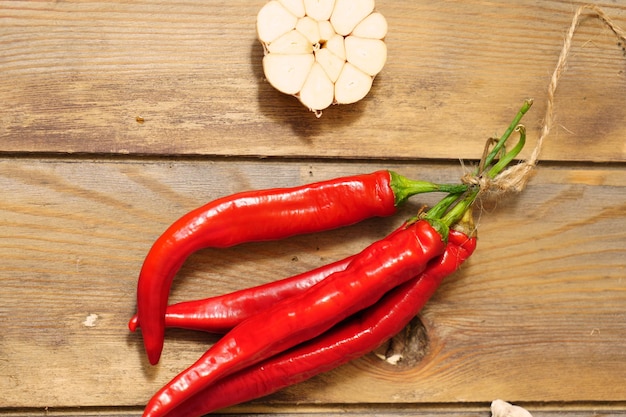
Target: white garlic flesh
323, 52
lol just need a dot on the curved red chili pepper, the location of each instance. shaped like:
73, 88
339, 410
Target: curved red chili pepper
373, 272
221, 313
251, 216
357, 336
261, 216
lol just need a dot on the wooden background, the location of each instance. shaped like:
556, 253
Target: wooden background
118, 117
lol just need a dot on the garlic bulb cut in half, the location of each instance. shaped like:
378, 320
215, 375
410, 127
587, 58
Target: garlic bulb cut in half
323, 52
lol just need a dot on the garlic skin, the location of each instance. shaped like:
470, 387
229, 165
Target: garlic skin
323, 52
500, 408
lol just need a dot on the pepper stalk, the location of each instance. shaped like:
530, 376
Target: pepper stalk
457, 207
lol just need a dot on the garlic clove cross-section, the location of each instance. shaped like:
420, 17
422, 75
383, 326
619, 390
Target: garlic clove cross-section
291, 43
368, 55
349, 13
323, 52
273, 21
373, 26
289, 72
295, 7
352, 85
318, 89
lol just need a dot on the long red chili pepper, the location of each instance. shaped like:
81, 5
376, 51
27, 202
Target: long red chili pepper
358, 335
260, 216
373, 272
221, 313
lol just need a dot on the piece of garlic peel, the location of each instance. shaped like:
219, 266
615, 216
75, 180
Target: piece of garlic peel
323, 52
501, 408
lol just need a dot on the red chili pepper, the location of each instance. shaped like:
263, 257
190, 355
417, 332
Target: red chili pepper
358, 335
221, 313
376, 270
260, 216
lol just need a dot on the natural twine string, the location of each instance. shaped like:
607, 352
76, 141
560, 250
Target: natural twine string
517, 176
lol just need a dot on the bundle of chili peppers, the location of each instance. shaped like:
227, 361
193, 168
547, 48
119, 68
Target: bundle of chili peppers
289, 330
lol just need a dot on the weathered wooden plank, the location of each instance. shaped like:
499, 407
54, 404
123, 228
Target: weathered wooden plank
536, 315
186, 78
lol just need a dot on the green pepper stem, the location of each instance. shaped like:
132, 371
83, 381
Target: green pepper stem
436, 215
457, 212
403, 188
512, 127
508, 157
440, 209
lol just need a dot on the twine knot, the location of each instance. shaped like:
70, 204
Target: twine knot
512, 179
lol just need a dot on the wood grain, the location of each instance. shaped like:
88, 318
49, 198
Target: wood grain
78, 75
539, 305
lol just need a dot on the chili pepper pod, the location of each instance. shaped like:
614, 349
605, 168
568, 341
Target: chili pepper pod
373, 272
260, 216
350, 339
221, 313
